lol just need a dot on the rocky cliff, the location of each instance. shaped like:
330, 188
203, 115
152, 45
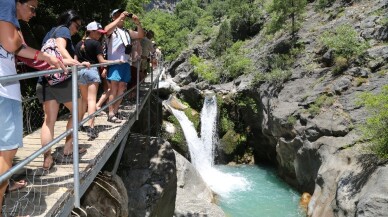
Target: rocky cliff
307, 124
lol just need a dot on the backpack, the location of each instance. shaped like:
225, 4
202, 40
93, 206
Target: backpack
50, 47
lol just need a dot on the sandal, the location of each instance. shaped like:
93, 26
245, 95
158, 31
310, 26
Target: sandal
62, 158
113, 119
48, 161
17, 185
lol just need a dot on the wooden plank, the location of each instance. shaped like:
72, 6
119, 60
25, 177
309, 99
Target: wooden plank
49, 191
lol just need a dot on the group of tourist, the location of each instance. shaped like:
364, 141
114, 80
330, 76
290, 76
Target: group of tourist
112, 44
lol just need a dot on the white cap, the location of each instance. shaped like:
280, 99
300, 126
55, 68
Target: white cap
95, 26
119, 10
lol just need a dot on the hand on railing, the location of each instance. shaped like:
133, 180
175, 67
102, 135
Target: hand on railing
52, 60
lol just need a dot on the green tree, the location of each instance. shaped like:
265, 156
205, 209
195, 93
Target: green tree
245, 21
137, 6
281, 10
223, 40
168, 32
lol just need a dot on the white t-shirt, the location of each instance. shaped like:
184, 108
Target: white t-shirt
116, 45
7, 60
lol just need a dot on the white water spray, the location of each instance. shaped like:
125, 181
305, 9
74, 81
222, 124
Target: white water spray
202, 149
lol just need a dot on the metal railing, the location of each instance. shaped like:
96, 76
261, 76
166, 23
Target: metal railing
76, 123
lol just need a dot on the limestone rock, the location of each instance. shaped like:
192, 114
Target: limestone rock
194, 197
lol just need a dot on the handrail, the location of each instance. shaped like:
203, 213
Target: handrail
74, 130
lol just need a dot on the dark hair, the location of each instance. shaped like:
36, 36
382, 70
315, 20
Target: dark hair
22, 1
67, 17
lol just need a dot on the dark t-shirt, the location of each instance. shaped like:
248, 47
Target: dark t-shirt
61, 32
92, 49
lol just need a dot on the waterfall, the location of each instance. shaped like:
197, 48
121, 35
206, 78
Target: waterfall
202, 149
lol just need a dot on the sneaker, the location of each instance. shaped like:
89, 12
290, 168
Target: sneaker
92, 133
119, 116
82, 128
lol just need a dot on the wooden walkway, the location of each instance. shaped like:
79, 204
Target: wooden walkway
52, 193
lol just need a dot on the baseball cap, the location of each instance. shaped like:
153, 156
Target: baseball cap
119, 10
95, 26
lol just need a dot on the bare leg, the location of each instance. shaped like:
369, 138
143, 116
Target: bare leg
104, 95
92, 97
121, 90
113, 94
6, 158
68, 149
84, 99
51, 109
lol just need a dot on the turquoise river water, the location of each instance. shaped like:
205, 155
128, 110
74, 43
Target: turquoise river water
265, 195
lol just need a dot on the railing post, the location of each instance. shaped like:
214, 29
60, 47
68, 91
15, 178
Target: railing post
74, 116
137, 89
120, 153
157, 103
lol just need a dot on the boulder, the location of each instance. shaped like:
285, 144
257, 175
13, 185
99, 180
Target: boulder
194, 197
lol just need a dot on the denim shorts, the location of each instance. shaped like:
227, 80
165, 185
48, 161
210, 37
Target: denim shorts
88, 76
11, 116
120, 72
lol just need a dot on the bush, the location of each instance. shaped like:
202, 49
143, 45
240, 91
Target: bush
344, 42
340, 64
235, 63
375, 128
203, 69
324, 3
223, 39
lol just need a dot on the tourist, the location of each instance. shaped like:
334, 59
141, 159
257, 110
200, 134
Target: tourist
11, 41
119, 47
90, 49
53, 95
147, 46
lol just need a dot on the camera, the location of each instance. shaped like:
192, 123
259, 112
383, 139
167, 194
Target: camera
129, 15
128, 49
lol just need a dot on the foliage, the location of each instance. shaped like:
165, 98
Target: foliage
235, 63
168, 32
291, 120
344, 42
340, 64
245, 21
376, 125
225, 123
178, 139
281, 10
218, 9
231, 141
320, 102
324, 3
137, 6
203, 69
223, 39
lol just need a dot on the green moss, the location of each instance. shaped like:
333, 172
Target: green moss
321, 102
291, 120
177, 140
359, 81
231, 141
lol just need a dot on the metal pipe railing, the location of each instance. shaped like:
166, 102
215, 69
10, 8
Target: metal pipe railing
74, 130
74, 116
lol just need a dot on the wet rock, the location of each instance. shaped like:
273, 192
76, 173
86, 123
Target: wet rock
194, 197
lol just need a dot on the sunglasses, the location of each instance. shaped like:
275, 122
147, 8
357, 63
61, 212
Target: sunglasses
78, 26
32, 8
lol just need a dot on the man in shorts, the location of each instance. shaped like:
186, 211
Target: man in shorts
119, 40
